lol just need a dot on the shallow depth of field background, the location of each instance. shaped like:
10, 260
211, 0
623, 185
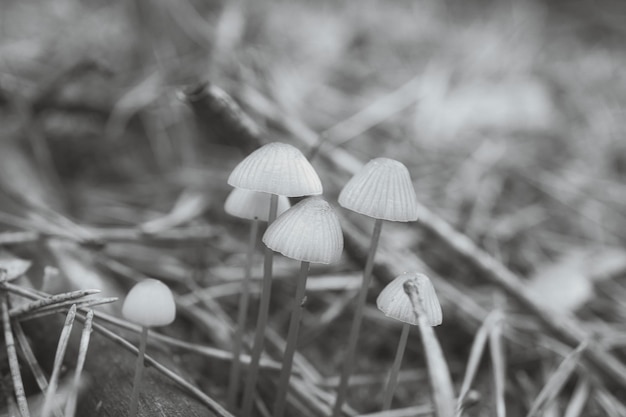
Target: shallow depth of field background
509, 115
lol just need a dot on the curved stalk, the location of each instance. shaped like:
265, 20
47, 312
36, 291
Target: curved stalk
244, 300
348, 363
392, 383
264, 309
134, 402
292, 342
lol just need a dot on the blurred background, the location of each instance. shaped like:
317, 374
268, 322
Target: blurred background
509, 115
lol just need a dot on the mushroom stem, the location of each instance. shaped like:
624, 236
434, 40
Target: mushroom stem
134, 401
292, 341
264, 307
392, 383
438, 372
348, 363
244, 299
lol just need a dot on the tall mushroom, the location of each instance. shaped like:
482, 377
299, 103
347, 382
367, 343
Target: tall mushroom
308, 232
277, 169
394, 303
249, 205
382, 190
149, 303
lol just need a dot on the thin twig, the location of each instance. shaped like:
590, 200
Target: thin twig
27, 308
62, 307
31, 360
14, 365
58, 361
70, 406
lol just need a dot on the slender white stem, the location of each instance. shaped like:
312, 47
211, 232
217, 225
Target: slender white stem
348, 362
244, 300
264, 309
134, 401
392, 383
292, 342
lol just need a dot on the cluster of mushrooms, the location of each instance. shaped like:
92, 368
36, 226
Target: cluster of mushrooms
309, 232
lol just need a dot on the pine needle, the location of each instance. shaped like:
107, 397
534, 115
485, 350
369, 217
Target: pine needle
58, 361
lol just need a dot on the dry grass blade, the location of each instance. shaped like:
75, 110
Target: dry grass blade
14, 366
58, 361
579, 398
33, 364
499, 363
557, 380
58, 298
438, 371
476, 353
62, 307
70, 406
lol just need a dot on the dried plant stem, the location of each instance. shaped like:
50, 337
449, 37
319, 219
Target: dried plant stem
498, 363
58, 361
134, 399
392, 383
438, 372
62, 307
36, 305
14, 366
264, 309
292, 342
348, 363
70, 406
31, 360
235, 366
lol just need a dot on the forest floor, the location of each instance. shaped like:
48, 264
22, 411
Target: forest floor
509, 116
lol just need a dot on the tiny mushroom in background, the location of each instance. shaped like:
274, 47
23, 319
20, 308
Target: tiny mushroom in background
277, 169
382, 190
427, 311
253, 206
149, 303
308, 232
394, 303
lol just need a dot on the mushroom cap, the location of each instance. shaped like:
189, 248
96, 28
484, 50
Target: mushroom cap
150, 303
395, 303
277, 168
309, 232
247, 204
382, 190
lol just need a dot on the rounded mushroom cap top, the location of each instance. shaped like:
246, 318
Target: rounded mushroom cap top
150, 303
382, 190
251, 205
309, 232
277, 168
395, 303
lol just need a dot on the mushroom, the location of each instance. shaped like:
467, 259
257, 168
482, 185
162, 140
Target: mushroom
149, 303
249, 205
382, 190
426, 308
277, 169
394, 303
308, 232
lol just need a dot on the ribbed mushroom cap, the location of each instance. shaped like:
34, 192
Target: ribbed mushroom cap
382, 190
251, 205
309, 231
277, 168
150, 303
395, 303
